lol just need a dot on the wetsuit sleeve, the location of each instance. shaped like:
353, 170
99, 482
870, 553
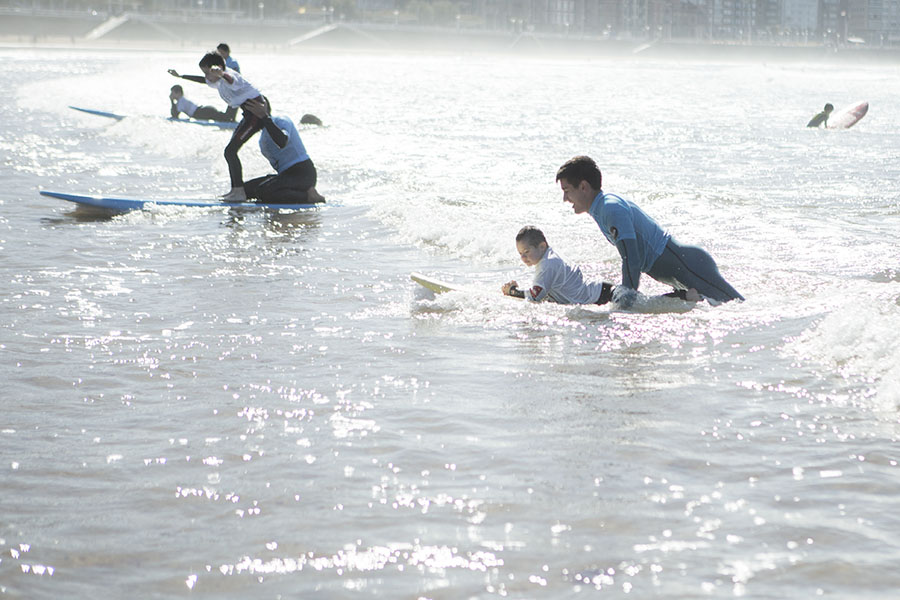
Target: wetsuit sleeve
516, 292
278, 136
195, 78
631, 268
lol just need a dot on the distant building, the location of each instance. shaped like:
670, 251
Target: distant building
801, 16
877, 22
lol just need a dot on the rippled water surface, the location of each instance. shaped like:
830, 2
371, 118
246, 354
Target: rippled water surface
231, 405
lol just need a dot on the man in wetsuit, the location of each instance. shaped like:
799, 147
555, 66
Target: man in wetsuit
295, 178
821, 118
644, 246
225, 51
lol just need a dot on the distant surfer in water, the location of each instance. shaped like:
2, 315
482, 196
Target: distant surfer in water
644, 246
557, 281
225, 51
180, 104
295, 178
236, 91
822, 117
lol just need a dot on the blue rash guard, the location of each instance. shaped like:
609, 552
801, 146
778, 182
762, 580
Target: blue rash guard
295, 174
621, 220
281, 157
232, 64
645, 247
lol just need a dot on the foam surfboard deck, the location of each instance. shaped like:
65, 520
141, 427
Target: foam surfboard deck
849, 116
440, 287
129, 204
435, 285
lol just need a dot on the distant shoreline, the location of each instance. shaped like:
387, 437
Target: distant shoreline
137, 32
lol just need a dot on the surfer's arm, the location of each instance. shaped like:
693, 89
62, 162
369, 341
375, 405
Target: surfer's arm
196, 78
278, 135
511, 289
624, 294
259, 109
228, 78
631, 269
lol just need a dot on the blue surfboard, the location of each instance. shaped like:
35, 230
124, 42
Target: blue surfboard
99, 113
103, 113
128, 204
219, 124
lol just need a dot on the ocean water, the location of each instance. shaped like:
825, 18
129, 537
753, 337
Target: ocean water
224, 404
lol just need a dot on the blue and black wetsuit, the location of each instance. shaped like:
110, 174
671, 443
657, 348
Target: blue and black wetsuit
295, 174
645, 247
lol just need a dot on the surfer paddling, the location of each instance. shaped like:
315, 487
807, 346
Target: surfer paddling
180, 104
235, 91
557, 281
644, 246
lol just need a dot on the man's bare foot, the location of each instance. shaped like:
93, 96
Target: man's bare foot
313, 196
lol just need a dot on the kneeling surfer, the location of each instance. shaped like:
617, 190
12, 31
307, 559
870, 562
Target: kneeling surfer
295, 178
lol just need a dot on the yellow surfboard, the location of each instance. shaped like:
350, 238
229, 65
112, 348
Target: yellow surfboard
439, 287
435, 285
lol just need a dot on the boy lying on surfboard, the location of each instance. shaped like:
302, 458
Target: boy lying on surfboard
557, 281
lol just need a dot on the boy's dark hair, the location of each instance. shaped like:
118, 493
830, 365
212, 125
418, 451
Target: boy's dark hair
224, 47
531, 235
212, 59
829, 106
177, 88
581, 168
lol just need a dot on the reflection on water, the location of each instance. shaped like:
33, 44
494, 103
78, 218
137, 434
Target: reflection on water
244, 403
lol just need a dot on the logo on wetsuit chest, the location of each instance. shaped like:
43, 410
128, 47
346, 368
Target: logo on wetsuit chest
614, 233
535, 292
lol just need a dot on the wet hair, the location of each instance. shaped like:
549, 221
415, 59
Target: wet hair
829, 107
581, 168
177, 88
531, 235
212, 59
224, 48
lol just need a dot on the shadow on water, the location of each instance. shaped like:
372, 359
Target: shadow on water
82, 214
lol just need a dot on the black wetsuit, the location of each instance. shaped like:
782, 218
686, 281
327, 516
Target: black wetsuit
248, 125
817, 120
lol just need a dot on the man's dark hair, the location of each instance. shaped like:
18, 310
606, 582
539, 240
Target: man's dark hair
531, 235
212, 59
177, 88
581, 168
224, 48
